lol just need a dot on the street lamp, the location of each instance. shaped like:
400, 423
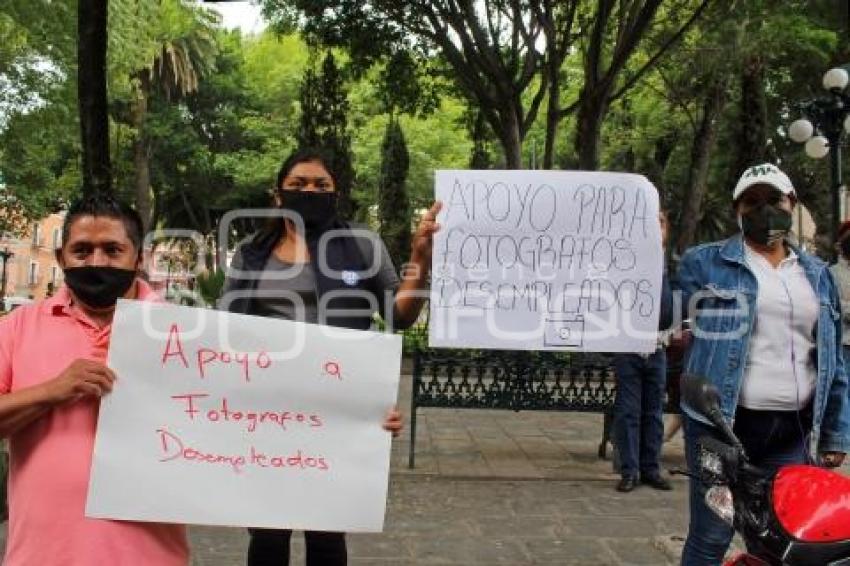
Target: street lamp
5, 255
825, 120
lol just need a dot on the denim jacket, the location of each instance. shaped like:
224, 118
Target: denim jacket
715, 278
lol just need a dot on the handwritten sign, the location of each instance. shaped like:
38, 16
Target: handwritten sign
546, 260
225, 419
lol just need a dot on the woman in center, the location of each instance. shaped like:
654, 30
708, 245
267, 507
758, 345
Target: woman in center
290, 271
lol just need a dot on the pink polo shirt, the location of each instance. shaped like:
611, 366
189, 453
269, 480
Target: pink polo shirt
51, 457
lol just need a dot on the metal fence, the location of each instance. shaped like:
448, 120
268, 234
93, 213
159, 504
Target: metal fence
518, 381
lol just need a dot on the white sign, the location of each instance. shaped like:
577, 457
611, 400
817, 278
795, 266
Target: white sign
546, 260
226, 419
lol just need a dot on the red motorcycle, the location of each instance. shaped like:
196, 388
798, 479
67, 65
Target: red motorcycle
798, 516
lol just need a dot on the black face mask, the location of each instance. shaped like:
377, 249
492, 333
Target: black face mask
766, 224
99, 287
317, 209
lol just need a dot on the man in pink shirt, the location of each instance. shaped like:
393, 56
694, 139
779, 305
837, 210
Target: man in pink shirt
52, 376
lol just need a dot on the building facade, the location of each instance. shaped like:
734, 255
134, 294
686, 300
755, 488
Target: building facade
31, 271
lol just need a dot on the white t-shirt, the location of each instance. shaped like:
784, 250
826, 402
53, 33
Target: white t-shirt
780, 372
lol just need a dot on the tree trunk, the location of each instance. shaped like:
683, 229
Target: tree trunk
511, 139
157, 207
704, 140
661, 154
92, 18
751, 137
190, 212
553, 119
591, 111
141, 160
480, 156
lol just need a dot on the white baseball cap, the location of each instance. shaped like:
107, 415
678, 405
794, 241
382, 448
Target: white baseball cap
764, 174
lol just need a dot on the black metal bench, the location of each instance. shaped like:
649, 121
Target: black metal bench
518, 381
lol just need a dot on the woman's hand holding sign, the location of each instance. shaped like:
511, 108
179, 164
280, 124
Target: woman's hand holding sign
393, 422
423, 238
412, 292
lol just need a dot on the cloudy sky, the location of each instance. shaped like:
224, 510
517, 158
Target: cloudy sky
244, 15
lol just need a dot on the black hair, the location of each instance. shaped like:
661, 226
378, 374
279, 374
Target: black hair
303, 155
101, 204
274, 227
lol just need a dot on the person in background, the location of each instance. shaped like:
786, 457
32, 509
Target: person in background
680, 339
285, 280
841, 273
766, 331
639, 404
677, 349
52, 376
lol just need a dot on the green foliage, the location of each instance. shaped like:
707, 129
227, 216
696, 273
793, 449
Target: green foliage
414, 338
165, 43
38, 31
281, 15
406, 87
652, 129
438, 141
219, 147
488, 51
273, 67
324, 123
40, 159
13, 43
205, 151
134, 28
210, 285
21, 84
393, 204
39, 145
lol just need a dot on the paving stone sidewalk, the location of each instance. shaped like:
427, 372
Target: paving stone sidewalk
497, 487
435, 520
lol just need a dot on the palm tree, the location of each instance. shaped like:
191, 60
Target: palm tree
185, 52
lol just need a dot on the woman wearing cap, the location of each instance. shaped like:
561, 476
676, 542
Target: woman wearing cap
310, 266
766, 332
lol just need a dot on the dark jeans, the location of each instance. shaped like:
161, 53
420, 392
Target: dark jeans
772, 439
270, 547
638, 412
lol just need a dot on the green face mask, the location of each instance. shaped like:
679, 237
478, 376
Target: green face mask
766, 225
